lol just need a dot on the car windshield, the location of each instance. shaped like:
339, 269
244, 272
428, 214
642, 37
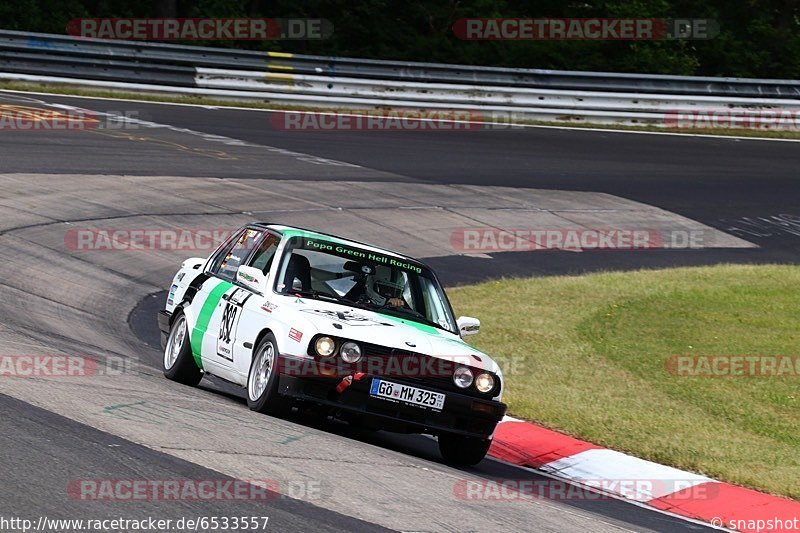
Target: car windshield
326, 270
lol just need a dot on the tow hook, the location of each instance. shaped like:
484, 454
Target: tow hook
348, 380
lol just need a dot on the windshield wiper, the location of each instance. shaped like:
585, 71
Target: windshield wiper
410, 313
315, 294
415, 314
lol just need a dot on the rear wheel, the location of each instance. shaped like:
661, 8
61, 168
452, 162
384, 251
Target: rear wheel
262, 381
178, 363
460, 450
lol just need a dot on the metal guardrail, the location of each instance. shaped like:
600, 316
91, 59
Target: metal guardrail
319, 81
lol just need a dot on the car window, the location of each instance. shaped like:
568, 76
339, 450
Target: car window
223, 251
359, 277
308, 269
262, 258
227, 263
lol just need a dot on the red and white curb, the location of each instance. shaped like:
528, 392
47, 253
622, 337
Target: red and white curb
651, 484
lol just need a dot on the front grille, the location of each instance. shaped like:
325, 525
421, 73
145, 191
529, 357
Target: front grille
425, 371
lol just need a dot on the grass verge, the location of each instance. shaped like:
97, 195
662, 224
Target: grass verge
71, 90
587, 356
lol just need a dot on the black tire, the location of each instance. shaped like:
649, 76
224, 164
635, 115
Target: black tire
264, 371
460, 450
178, 362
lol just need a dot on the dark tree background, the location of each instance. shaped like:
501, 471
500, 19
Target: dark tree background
758, 38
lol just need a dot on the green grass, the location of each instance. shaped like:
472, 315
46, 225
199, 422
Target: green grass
72, 90
586, 355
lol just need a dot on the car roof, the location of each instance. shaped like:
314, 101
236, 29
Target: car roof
280, 228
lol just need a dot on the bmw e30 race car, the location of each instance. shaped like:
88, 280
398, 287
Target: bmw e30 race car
298, 317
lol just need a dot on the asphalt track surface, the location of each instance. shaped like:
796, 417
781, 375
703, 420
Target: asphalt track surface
55, 431
747, 188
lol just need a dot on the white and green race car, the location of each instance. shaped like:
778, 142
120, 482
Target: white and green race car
298, 317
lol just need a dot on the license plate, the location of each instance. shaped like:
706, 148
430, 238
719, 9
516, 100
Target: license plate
406, 394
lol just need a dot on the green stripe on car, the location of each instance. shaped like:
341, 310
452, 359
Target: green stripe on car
204, 318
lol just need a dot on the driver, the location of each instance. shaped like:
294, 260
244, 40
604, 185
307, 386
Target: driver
385, 287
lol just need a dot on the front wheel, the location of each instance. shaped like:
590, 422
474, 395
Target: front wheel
262, 381
460, 450
178, 364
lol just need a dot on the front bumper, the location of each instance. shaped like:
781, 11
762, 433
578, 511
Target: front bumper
461, 414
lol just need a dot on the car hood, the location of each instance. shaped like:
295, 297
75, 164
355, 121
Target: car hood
370, 327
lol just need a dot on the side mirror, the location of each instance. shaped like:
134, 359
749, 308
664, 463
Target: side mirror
468, 325
252, 278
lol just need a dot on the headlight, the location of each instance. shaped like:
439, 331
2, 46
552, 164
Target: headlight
484, 382
325, 346
350, 352
462, 377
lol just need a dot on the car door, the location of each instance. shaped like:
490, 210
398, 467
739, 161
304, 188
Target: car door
219, 304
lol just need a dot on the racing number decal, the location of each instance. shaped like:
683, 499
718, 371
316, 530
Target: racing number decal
227, 330
230, 319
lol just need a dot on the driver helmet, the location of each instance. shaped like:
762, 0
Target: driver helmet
384, 284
